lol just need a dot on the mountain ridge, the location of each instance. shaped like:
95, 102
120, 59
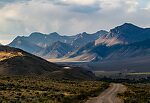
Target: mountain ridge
124, 34
86, 47
37, 42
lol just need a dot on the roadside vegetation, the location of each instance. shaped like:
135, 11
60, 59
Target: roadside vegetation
138, 87
25, 89
136, 93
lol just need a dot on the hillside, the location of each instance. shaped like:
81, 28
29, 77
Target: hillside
17, 62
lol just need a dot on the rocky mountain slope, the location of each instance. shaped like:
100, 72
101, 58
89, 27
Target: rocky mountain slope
130, 41
124, 34
118, 51
56, 50
37, 42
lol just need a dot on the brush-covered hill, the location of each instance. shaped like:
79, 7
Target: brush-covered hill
15, 61
18, 62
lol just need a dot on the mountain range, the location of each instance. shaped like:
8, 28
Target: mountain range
54, 45
122, 42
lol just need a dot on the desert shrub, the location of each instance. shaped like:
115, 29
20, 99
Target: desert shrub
136, 93
34, 89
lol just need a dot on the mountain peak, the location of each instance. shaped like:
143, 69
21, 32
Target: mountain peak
101, 32
129, 25
54, 34
19, 38
35, 34
84, 33
127, 28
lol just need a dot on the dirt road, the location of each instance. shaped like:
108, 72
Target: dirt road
109, 95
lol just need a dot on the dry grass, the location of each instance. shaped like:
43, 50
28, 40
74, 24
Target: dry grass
7, 55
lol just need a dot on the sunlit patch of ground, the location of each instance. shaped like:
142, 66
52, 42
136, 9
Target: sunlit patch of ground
7, 55
65, 60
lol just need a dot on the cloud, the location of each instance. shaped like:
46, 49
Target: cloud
77, 2
147, 6
21, 17
85, 9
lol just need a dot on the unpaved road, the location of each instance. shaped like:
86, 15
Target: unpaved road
109, 95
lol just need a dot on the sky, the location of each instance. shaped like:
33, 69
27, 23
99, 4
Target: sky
68, 17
